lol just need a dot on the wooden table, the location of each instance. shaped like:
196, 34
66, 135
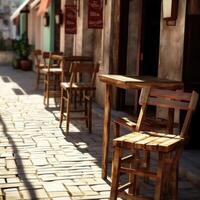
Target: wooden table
126, 82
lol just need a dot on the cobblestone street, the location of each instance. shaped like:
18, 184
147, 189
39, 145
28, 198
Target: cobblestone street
38, 160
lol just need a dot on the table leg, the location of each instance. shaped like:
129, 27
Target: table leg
106, 130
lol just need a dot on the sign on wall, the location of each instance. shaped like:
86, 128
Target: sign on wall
95, 14
70, 19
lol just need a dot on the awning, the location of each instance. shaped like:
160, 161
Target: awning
19, 9
34, 3
44, 4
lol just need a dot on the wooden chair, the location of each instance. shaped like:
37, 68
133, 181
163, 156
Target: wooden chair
53, 74
133, 123
68, 89
37, 54
66, 75
167, 146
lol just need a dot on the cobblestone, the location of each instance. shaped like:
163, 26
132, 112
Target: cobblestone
38, 160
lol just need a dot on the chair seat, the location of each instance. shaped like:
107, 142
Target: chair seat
77, 86
150, 141
51, 70
42, 65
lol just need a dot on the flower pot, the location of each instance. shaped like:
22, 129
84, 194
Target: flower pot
26, 64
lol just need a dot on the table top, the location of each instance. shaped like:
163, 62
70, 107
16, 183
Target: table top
139, 81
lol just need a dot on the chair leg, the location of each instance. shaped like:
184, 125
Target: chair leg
86, 112
174, 183
116, 130
38, 79
68, 114
90, 115
75, 99
134, 188
47, 90
115, 173
57, 89
147, 156
159, 183
61, 108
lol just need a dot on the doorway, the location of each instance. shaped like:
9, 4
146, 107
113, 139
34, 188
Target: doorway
150, 38
191, 70
147, 32
57, 28
123, 42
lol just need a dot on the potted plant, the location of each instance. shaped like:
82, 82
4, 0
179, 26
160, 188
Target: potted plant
23, 50
16, 60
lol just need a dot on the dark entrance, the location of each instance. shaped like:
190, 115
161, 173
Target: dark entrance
150, 37
191, 71
123, 39
57, 27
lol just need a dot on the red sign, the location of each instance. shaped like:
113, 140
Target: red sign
95, 14
70, 19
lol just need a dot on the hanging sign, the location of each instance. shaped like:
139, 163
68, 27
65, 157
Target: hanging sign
95, 14
70, 19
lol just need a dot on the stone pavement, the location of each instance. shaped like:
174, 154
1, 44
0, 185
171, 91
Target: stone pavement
38, 160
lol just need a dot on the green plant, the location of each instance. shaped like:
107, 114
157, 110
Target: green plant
22, 47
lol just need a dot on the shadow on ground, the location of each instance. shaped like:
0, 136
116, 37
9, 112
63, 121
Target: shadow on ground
20, 168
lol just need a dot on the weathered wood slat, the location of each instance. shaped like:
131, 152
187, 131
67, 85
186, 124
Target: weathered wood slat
127, 136
124, 187
130, 142
178, 95
140, 172
165, 103
153, 145
126, 122
170, 144
158, 134
141, 144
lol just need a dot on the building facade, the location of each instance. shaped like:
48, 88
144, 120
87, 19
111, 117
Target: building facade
7, 29
136, 39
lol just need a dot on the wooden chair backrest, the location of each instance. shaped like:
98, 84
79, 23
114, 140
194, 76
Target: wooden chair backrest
55, 58
37, 53
84, 68
45, 56
67, 61
78, 58
176, 100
